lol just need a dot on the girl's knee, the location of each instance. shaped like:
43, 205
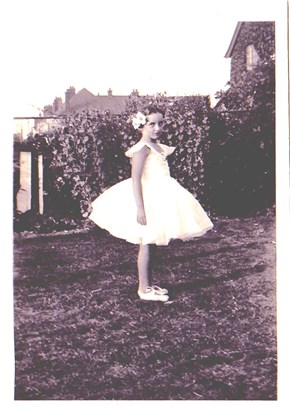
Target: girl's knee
144, 250
144, 247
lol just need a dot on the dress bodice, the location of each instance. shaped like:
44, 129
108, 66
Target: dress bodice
156, 164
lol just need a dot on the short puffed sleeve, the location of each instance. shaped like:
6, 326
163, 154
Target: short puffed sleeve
138, 146
168, 150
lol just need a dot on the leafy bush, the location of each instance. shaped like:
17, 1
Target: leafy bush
242, 175
226, 159
37, 223
88, 149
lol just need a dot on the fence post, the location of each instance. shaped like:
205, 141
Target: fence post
34, 182
23, 197
40, 184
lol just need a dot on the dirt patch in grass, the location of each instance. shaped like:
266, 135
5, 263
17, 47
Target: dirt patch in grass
82, 333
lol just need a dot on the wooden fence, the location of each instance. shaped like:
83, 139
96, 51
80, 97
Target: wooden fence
28, 182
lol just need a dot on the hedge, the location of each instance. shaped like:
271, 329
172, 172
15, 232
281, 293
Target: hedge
88, 150
225, 159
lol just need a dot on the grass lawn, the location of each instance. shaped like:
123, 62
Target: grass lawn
82, 333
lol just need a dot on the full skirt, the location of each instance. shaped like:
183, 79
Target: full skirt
171, 212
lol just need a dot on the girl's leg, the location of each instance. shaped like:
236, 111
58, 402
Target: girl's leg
143, 267
152, 251
144, 272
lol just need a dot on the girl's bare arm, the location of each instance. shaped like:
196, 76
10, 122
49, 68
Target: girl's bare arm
138, 162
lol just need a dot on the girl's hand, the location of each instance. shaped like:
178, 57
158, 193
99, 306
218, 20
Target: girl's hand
141, 217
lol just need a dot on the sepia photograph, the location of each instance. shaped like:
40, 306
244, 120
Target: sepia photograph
148, 153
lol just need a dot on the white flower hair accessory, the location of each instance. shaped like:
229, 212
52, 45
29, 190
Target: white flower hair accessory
138, 120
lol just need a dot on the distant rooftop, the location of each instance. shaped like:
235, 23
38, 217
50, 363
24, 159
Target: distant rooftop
84, 98
75, 102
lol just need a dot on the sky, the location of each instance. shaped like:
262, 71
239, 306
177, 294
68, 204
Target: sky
154, 46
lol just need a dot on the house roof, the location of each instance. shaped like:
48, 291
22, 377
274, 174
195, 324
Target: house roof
116, 104
81, 98
84, 98
234, 39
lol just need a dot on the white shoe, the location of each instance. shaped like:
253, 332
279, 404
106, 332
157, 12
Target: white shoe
152, 294
160, 291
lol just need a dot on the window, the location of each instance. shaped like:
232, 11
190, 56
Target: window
252, 57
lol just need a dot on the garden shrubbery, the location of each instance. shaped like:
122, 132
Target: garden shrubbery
224, 158
241, 175
45, 223
85, 153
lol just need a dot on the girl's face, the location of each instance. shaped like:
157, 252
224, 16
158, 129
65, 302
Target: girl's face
153, 128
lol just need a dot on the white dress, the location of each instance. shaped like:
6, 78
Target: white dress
171, 211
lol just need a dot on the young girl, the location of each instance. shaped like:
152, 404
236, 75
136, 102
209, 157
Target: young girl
151, 207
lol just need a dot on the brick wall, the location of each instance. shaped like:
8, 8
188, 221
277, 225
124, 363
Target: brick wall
261, 35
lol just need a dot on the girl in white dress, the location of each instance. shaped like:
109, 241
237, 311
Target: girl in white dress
151, 207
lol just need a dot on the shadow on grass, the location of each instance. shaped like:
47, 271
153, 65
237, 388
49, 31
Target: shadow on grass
211, 281
81, 333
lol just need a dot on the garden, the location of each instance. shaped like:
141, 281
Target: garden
81, 333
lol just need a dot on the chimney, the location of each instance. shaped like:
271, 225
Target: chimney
110, 92
48, 110
69, 94
57, 104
